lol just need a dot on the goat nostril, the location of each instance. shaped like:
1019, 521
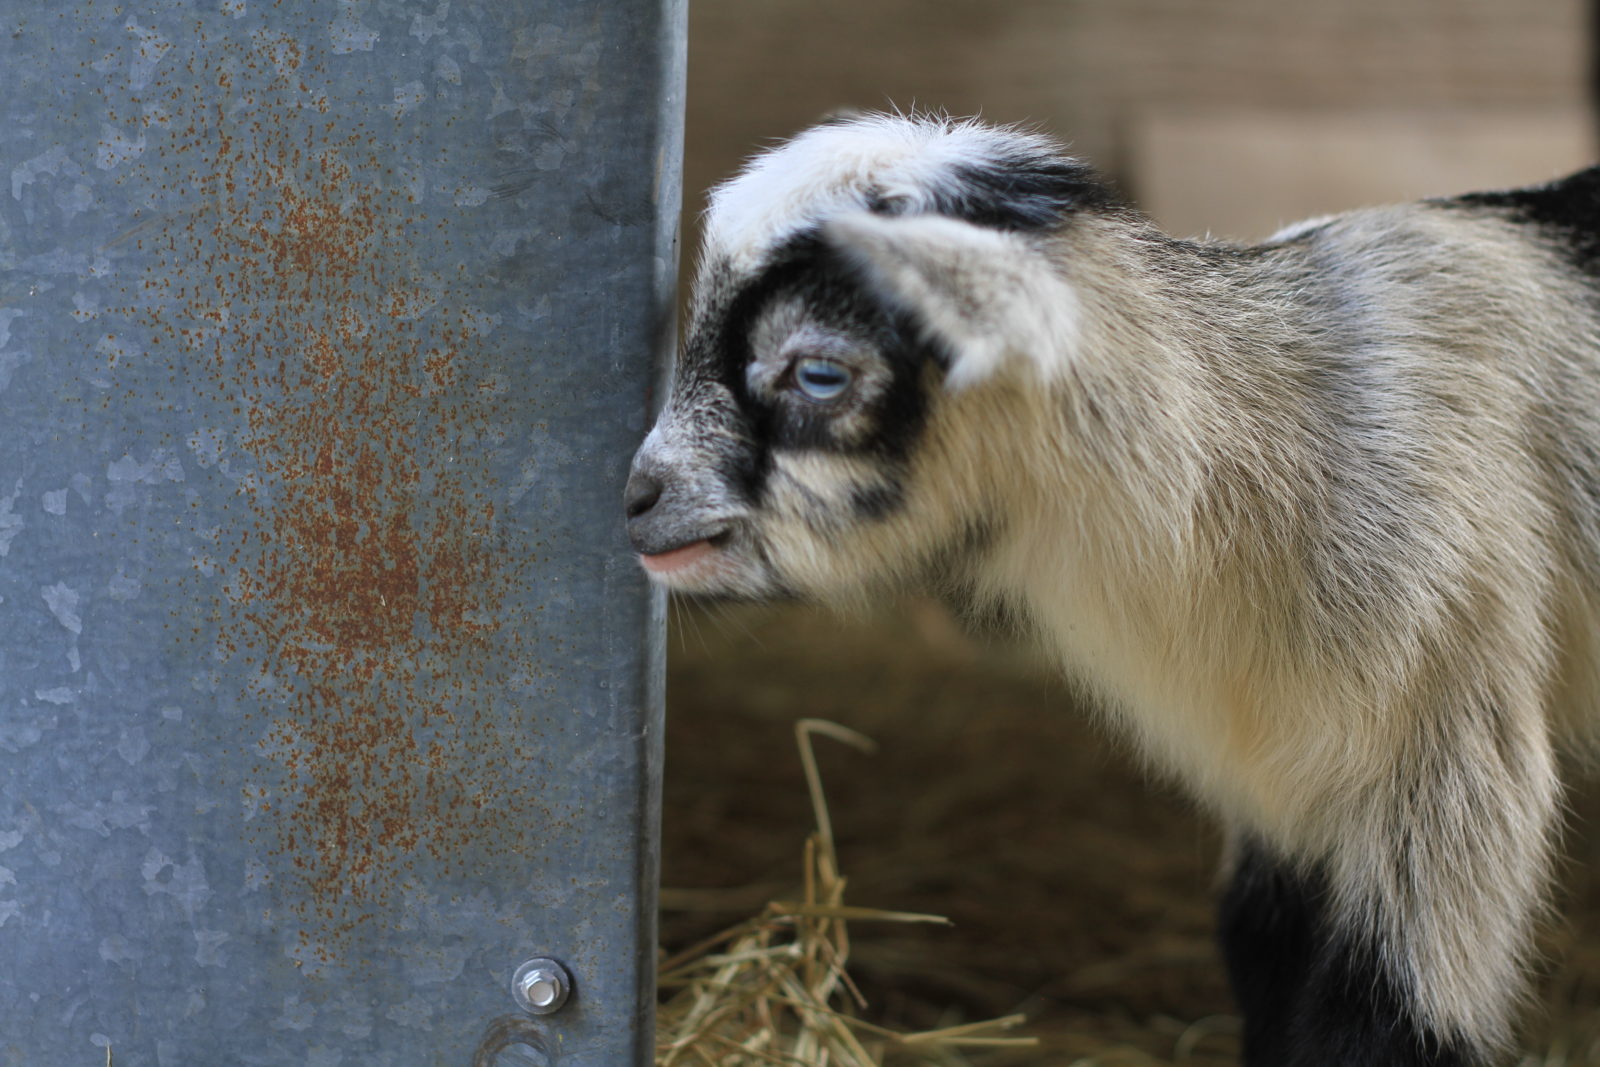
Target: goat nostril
640, 495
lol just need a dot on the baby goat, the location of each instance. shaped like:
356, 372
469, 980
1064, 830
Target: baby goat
1317, 520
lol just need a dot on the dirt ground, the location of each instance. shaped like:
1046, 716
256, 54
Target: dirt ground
1081, 891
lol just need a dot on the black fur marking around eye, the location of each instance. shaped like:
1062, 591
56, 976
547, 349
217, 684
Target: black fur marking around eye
811, 272
1569, 209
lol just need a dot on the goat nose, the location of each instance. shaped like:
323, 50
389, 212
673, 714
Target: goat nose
640, 494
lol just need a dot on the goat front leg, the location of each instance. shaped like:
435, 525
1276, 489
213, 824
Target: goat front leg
1314, 994
1403, 941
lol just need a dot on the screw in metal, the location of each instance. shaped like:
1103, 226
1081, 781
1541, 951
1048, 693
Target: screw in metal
541, 986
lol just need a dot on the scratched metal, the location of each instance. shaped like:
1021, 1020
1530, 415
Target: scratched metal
328, 691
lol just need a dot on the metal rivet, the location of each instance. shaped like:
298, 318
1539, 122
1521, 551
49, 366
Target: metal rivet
541, 986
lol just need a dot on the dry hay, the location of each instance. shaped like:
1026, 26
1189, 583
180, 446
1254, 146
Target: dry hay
774, 989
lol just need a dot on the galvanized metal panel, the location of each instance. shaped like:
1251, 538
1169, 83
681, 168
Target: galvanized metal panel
328, 692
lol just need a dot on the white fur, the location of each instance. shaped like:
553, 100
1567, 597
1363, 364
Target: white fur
834, 168
988, 295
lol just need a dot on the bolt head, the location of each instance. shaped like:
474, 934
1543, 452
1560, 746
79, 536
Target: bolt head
541, 986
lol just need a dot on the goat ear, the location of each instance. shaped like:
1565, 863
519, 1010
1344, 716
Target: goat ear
984, 295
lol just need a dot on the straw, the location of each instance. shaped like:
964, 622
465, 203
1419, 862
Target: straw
774, 989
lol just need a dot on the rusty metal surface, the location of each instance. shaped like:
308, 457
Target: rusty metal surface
328, 692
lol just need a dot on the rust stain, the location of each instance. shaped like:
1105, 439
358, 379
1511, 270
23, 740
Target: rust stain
362, 580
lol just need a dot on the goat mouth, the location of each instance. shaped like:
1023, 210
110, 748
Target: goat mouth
678, 558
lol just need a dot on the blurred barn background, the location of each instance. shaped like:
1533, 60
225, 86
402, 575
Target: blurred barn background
1228, 116
1080, 889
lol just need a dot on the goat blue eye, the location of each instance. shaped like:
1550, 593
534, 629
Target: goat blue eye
822, 379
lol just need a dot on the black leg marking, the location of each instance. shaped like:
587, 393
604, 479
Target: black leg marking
1313, 996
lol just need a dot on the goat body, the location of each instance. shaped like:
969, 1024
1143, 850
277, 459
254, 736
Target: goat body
1317, 521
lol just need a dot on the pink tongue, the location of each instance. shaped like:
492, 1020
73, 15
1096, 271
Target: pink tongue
676, 559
